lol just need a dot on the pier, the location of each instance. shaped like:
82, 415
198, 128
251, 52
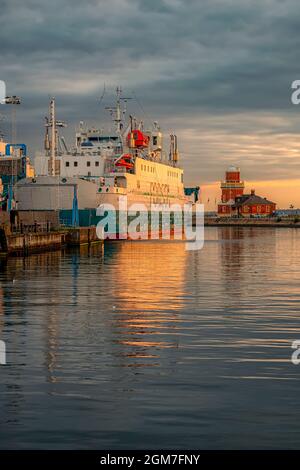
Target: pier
37, 238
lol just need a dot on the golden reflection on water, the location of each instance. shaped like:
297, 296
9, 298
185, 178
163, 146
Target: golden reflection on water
136, 297
149, 293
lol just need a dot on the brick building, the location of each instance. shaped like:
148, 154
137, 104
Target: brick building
235, 203
231, 188
252, 205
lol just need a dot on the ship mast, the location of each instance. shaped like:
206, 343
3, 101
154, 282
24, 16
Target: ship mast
117, 112
53, 137
54, 124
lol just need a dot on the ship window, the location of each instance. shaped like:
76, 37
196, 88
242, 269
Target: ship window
96, 163
67, 163
88, 163
75, 163
121, 182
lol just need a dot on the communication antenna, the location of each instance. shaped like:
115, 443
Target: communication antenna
118, 112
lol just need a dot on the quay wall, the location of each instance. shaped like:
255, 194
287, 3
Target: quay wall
30, 242
251, 222
26, 243
82, 236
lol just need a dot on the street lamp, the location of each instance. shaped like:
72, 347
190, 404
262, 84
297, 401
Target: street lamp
13, 100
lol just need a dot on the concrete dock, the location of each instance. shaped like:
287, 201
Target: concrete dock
22, 244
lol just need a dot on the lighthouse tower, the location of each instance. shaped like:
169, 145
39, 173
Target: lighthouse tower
231, 188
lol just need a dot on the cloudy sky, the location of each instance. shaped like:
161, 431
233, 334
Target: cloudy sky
218, 72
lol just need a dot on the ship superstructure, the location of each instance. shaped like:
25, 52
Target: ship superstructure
144, 173
84, 160
130, 161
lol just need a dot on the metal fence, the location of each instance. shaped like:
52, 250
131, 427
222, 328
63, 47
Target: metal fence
36, 227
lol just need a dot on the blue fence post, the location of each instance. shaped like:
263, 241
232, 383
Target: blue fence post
75, 213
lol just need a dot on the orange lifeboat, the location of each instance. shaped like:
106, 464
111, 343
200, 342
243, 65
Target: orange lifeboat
137, 139
125, 161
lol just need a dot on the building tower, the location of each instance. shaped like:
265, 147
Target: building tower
231, 188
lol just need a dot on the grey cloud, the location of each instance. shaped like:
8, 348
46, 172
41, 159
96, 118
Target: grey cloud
187, 61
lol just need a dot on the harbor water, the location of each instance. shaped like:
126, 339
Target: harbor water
147, 345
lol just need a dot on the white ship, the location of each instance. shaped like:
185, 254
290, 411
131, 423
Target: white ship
131, 162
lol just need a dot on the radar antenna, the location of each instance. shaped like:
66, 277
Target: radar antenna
118, 112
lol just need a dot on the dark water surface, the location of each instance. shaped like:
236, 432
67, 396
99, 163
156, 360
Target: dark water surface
150, 346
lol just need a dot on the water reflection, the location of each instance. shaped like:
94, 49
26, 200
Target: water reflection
148, 296
149, 344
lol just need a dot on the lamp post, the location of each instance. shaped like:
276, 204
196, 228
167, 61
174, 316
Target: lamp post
14, 101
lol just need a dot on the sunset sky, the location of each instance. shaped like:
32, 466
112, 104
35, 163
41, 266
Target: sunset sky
217, 72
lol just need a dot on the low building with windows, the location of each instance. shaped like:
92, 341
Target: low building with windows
251, 205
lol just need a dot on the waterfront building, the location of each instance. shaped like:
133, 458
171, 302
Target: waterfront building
14, 165
252, 205
234, 203
231, 188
